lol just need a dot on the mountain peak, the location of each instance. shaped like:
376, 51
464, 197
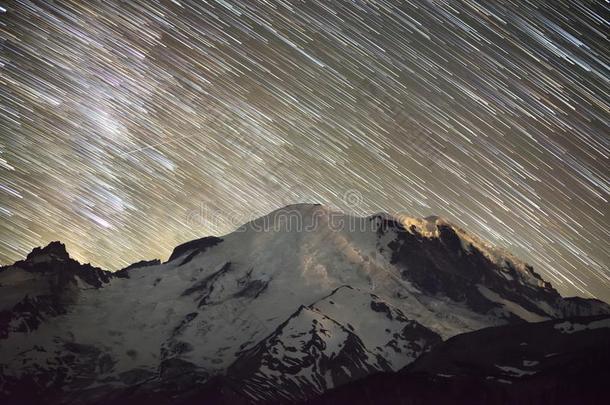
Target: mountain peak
427, 226
53, 251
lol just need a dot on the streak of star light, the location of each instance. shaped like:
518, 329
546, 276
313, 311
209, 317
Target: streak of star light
118, 119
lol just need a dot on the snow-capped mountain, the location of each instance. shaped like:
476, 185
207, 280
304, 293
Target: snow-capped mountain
284, 308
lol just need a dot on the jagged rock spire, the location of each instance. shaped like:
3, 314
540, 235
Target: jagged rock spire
55, 249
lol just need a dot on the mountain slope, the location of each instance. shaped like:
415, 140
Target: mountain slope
324, 345
221, 302
552, 362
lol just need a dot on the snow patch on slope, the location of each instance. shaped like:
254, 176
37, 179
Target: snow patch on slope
574, 327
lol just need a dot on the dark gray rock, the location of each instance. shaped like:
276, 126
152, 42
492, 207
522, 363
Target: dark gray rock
195, 247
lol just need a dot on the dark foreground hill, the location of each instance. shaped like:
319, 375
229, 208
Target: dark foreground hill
553, 362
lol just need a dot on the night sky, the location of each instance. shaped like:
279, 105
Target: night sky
128, 127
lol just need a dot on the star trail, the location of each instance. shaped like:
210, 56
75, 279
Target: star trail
127, 128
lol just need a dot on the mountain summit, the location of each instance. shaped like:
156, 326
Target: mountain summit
285, 308
54, 250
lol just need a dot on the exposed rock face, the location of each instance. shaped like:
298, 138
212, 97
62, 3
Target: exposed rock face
124, 272
450, 266
448, 262
42, 286
291, 305
194, 247
53, 251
